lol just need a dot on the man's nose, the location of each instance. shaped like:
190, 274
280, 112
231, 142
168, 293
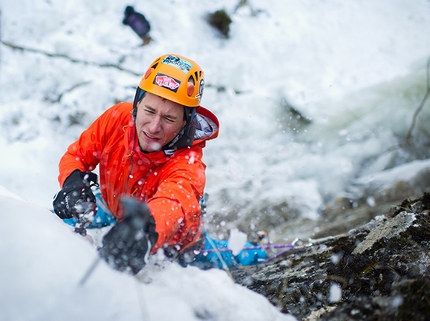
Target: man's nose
155, 124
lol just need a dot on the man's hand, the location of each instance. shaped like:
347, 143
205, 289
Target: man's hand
128, 244
76, 196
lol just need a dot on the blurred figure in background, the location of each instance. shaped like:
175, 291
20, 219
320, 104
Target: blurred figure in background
138, 23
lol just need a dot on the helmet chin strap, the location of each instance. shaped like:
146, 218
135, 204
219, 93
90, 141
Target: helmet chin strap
137, 97
185, 137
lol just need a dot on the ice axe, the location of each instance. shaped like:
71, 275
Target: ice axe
128, 242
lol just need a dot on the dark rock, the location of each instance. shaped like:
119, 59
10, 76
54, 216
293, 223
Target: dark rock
221, 21
379, 271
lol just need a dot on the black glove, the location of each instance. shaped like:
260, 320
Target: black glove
76, 196
128, 244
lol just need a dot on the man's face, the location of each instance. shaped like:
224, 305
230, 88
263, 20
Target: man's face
158, 121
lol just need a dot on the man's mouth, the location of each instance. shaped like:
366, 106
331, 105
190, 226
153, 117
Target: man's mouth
151, 137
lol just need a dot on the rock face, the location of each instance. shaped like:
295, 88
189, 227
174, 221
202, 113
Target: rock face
380, 271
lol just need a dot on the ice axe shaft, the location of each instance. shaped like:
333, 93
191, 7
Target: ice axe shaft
90, 271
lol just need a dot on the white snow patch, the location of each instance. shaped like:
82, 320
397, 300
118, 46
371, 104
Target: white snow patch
236, 241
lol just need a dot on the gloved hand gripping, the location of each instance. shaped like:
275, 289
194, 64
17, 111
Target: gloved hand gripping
76, 197
128, 244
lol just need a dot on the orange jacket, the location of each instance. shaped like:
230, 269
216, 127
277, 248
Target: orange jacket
171, 185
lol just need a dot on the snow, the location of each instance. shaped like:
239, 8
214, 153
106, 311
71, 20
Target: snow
410, 172
335, 293
355, 70
44, 263
236, 241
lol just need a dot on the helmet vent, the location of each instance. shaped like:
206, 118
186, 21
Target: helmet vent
191, 80
148, 73
190, 89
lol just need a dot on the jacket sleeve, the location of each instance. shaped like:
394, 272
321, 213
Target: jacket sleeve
175, 205
84, 154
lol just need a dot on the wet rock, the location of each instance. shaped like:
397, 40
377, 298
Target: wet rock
379, 271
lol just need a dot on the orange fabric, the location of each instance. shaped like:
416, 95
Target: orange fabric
171, 185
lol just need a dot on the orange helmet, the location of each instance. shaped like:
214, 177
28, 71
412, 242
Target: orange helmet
175, 78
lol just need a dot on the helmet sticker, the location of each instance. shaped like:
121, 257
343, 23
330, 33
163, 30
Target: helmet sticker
201, 87
167, 82
177, 62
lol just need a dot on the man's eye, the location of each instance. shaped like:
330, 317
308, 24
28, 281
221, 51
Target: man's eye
169, 119
149, 111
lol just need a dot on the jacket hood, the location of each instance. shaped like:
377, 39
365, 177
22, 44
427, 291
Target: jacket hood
207, 125
203, 126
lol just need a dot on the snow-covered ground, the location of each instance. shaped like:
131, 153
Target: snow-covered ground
44, 264
355, 70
